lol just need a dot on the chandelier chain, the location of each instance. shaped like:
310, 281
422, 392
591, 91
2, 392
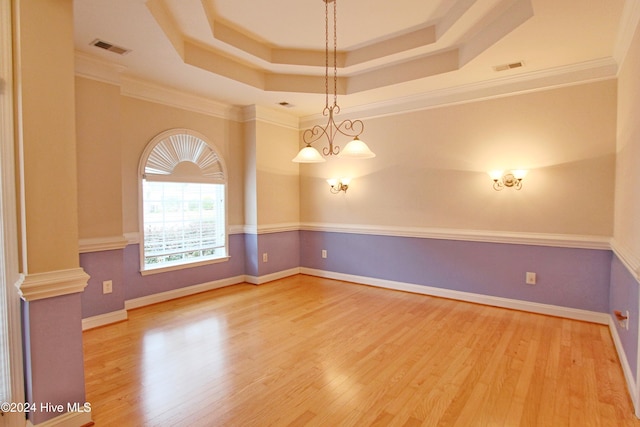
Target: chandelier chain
326, 54
335, 55
350, 128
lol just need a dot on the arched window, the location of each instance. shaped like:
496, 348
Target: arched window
183, 186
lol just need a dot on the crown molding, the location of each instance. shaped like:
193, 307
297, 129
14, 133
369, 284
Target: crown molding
536, 81
152, 92
628, 25
52, 284
268, 115
94, 68
602, 69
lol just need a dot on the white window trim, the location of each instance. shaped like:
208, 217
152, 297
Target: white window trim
141, 176
185, 265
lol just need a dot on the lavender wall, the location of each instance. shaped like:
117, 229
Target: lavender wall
623, 296
576, 278
567, 277
283, 250
123, 268
137, 285
101, 266
54, 366
251, 254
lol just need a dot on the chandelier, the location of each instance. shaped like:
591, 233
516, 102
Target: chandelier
355, 149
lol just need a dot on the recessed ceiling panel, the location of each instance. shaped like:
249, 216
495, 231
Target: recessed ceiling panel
300, 24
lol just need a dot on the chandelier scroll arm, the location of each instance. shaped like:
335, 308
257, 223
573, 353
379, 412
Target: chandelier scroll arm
317, 132
349, 128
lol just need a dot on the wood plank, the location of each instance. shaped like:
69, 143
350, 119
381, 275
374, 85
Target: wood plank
311, 351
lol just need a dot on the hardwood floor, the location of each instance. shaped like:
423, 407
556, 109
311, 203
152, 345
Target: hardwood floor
310, 351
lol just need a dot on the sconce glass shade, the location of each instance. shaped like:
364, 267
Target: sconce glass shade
332, 182
495, 174
356, 149
519, 173
309, 155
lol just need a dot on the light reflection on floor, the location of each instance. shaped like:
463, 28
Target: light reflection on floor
173, 362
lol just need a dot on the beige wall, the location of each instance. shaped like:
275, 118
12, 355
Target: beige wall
278, 187
627, 219
430, 169
113, 131
272, 190
143, 120
99, 159
250, 177
47, 135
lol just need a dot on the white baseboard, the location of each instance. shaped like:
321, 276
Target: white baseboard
104, 319
259, 280
532, 307
120, 315
632, 386
181, 292
69, 419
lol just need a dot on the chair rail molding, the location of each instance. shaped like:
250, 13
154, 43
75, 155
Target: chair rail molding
486, 236
99, 244
627, 257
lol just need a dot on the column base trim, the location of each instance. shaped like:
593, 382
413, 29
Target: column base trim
69, 419
52, 284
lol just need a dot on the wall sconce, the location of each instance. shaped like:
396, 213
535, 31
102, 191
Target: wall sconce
510, 179
338, 185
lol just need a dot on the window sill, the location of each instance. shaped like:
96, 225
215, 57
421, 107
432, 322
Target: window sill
168, 268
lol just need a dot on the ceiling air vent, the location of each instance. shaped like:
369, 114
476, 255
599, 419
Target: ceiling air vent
110, 47
508, 66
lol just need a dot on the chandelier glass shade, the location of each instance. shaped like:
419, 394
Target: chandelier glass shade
356, 148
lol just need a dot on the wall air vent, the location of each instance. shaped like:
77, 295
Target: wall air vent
110, 47
508, 66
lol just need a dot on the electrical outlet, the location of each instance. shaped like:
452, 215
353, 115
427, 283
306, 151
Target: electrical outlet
107, 287
530, 278
622, 318
324, 253
626, 321
265, 257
